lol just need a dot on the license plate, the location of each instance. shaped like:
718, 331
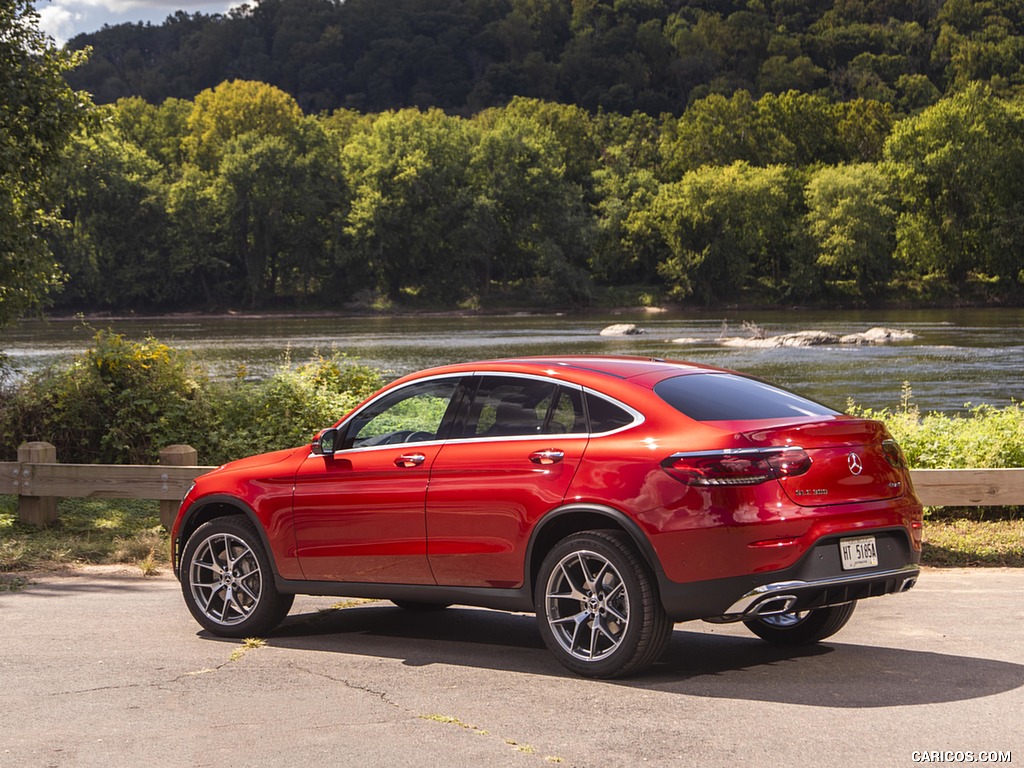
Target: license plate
858, 553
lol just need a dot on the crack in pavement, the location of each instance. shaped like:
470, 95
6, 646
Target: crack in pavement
382, 695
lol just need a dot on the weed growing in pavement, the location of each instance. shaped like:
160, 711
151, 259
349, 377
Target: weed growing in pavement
249, 644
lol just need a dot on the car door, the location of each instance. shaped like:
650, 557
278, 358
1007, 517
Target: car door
513, 453
360, 513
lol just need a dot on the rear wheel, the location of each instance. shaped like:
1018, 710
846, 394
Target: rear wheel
227, 580
598, 608
802, 627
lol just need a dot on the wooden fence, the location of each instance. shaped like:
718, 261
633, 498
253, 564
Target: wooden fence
39, 480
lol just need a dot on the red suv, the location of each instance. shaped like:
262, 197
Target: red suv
612, 496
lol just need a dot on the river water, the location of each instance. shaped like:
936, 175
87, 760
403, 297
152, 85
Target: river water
957, 356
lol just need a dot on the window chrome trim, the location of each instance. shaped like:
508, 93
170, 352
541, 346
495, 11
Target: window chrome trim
638, 418
341, 425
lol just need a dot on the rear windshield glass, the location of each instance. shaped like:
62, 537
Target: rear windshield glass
726, 397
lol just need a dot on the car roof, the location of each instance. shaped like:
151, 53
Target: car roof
580, 368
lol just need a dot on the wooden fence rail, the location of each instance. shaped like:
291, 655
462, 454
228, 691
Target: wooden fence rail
39, 480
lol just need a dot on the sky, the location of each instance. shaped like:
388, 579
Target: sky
63, 19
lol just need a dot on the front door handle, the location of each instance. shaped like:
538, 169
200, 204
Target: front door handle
550, 456
410, 460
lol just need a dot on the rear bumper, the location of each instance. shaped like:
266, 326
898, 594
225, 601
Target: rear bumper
787, 596
816, 581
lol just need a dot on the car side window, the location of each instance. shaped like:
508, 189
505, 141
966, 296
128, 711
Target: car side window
507, 407
409, 415
514, 407
605, 416
566, 415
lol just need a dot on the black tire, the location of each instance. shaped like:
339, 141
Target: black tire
416, 605
598, 607
228, 582
804, 627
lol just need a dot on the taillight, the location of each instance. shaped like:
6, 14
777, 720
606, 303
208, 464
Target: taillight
739, 467
893, 454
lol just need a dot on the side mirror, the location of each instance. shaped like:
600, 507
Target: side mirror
325, 443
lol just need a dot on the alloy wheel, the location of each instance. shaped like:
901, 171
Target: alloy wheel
225, 578
587, 605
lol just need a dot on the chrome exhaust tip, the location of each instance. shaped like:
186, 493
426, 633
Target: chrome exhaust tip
774, 606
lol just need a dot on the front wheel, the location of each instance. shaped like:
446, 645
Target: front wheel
802, 627
598, 607
227, 581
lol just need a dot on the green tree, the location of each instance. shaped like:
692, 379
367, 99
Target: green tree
626, 248
278, 201
527, 217
115, 253
850, 217
980, 41
202, 259
730, 229
958, 168
38, 115
159, 130
714, 131
234, 108
409, 199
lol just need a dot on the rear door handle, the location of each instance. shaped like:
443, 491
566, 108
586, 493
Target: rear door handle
410, 460
550, 456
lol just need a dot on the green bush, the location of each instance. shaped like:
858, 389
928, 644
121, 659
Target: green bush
242, 418
121, 401
983, 437
118, 402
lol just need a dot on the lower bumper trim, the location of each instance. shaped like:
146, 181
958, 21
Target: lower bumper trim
823, 592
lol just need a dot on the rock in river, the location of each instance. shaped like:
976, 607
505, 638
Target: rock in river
621, 329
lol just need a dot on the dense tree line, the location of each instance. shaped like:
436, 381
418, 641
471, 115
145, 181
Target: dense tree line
653, 56
239, 198
38, 115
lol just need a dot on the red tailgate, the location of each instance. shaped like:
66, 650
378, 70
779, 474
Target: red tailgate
852, 460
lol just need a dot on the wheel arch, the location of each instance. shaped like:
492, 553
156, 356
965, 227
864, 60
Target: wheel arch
210, 508
576, 518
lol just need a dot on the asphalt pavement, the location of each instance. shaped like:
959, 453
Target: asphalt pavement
106, 668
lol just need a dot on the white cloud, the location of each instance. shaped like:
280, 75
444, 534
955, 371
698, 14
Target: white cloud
58, 22
165, 6
62, 19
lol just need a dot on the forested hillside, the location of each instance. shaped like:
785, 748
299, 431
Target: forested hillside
654, 56
239, 199
447, 153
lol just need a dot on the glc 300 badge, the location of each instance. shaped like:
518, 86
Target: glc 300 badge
855, 464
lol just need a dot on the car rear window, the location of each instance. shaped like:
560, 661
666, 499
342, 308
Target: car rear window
727, 397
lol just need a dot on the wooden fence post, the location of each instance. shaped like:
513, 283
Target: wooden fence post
175, 456
39, 511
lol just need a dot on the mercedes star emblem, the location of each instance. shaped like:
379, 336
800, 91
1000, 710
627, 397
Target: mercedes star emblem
855, 464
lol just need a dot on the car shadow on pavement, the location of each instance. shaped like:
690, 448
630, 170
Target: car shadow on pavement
696, 663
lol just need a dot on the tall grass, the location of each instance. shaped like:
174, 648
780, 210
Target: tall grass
982, 436
87, 531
